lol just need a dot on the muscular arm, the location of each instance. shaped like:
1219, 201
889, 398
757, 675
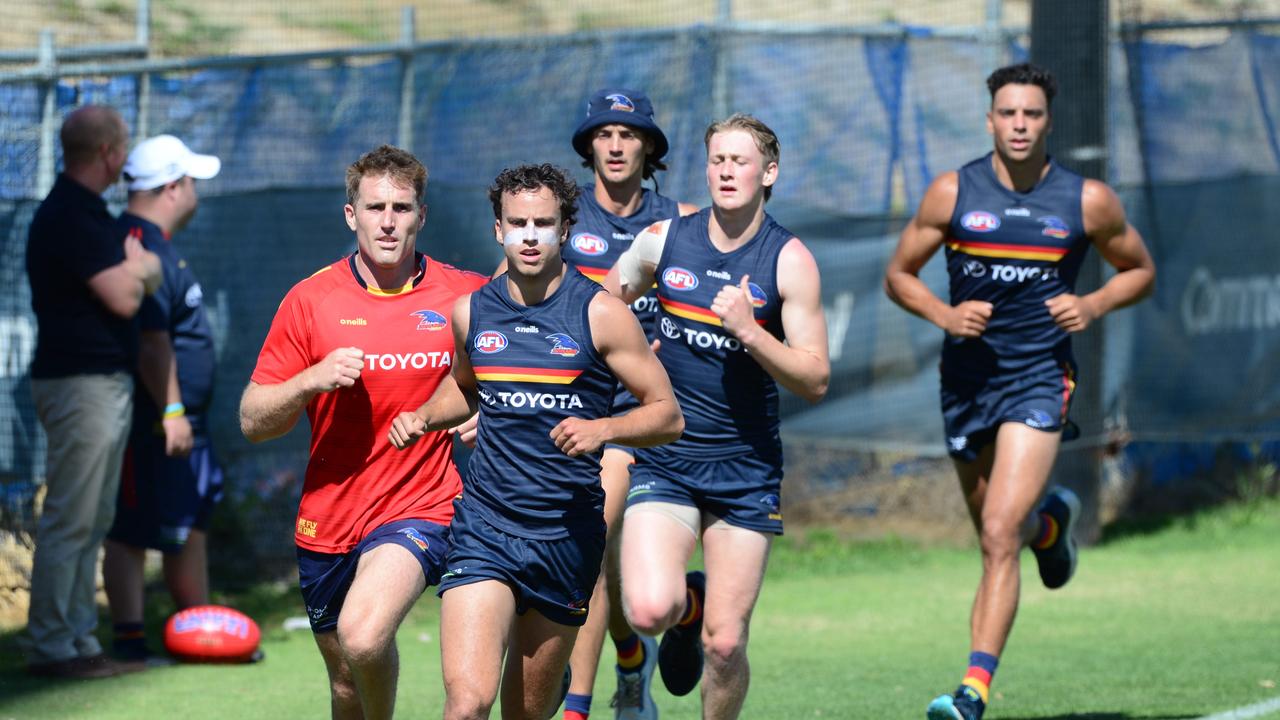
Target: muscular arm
1121, 246
271, 410
633, 274
920, 239
454, 400
622, 344
801, 364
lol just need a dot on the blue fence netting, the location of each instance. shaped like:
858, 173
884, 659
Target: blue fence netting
864, 123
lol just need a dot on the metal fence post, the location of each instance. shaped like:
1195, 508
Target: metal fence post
721, 98
408, 36
1070, 39
48, 114
995, 37
143, 34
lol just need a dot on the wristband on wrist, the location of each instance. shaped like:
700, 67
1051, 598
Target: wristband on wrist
174, 410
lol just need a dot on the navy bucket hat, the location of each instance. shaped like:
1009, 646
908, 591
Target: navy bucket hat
624, 107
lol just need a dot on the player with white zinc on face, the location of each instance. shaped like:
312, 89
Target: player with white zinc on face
353, 345
1016, 226
740, 311
540, 350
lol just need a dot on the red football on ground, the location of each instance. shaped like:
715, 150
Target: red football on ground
211, 633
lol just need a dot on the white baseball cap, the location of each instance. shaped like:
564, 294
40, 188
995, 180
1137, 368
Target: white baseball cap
164, 158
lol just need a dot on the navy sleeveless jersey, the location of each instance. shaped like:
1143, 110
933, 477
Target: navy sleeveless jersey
599, 237
176, 307
730, 403
535, 366
1014, 250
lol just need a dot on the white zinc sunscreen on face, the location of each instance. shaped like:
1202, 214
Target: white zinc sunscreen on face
522, 235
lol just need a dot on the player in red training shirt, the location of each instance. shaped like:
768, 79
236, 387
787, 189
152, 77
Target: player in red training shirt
355, 344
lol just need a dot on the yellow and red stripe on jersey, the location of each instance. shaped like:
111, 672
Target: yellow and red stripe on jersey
695, 313
1001, 250
596, 274
506, 373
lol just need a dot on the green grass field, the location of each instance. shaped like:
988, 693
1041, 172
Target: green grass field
1178, 622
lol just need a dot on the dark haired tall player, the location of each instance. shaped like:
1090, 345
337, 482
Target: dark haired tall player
1016, 226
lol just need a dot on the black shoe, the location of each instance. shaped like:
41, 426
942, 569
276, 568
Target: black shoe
965, 704
1058, 561
680, 653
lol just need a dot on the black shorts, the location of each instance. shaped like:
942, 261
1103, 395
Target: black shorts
973, 408
325, 578
553, 576
743, 491
162, 499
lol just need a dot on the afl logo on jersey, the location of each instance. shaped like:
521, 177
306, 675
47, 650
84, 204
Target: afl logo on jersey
589, 244
563, 345
429, 320
758, 298
677, 278
980, 221
490, 341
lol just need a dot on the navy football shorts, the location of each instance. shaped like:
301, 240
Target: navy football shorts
162, 499
325, 578
973, 408
743, 491
553, 576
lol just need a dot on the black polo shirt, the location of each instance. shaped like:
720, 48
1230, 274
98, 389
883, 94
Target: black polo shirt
72, 238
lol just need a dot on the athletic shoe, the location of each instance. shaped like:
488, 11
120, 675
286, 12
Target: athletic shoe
965, 704
680, 654
632, 701
1058, 561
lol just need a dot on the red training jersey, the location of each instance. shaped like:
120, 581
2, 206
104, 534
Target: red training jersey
356, 481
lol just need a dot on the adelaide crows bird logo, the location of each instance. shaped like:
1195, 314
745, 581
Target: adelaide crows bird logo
563, 345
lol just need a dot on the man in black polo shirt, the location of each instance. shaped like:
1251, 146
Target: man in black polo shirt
87, 282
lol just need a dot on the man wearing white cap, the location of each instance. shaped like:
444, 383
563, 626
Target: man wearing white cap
170, 481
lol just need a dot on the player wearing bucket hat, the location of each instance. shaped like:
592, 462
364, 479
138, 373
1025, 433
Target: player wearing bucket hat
624, 107
164, 158
621, 143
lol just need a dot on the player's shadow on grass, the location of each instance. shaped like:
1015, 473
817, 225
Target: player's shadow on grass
1106, 716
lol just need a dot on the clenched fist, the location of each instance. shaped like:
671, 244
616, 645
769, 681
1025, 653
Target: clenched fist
406, 429
339, 369
969, 319
575, 436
